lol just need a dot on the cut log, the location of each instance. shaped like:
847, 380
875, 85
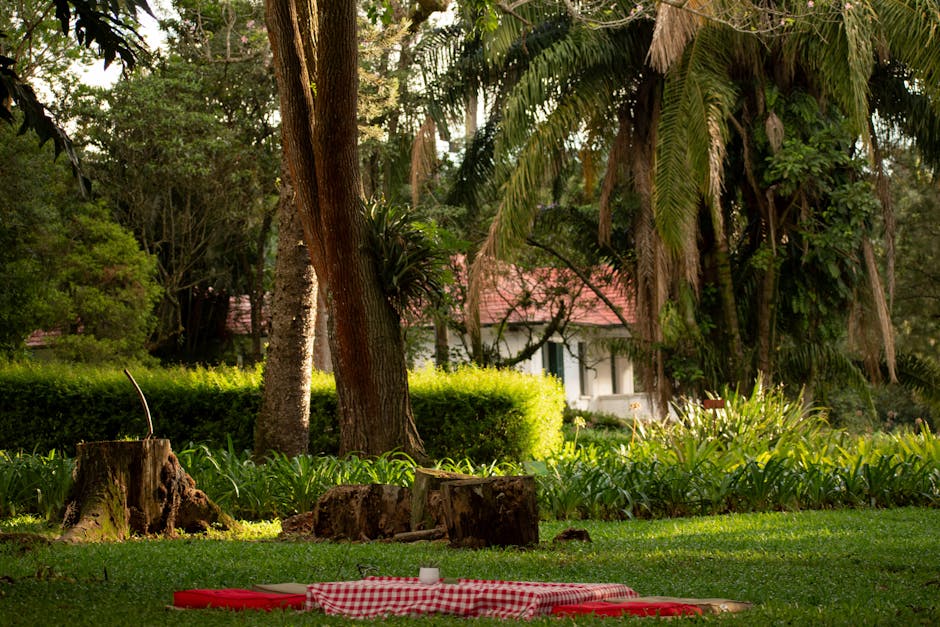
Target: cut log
423, 534
362, 512
426, 509
125, 488
494, 511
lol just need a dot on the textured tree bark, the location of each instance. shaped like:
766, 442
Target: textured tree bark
366, 345
495, 511
362, 512
284, 419
320, 140
125, 488
426, 508
321, 338
729, 306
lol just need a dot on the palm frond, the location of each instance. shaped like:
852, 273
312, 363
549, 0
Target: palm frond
472, 179
423, 158
548, 76
898, 101
911, 29
541, 153
513, 31
920, 375
838, 56
692, 132
796, 362
675, 28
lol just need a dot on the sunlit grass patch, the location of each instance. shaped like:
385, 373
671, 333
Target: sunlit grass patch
845, 567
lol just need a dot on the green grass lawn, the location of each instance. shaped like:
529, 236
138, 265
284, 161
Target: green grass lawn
849, 567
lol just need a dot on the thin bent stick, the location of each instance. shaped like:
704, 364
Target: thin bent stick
143, 402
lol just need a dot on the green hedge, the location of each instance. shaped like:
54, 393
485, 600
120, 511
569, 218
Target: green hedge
484, 415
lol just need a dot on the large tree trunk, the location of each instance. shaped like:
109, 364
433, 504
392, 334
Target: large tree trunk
284, 419
125, 488
366, 341
320, 140
322, 360
766, 310
256, 294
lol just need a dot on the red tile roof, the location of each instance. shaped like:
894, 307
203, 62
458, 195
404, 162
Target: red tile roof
533, 296
516, 296
238, 318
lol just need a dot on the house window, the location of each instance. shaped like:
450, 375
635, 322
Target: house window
614, 375
553, 359
582, 368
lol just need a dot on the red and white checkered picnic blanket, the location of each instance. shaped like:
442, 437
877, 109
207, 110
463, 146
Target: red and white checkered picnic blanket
400, 596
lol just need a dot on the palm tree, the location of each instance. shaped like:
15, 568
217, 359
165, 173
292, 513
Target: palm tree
680, 99
833, 56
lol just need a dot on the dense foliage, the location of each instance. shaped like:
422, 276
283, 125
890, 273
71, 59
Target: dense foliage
471, 413
191, 164
747, 162
759, 453
67, 266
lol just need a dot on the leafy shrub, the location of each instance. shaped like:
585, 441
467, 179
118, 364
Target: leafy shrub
487, 414
766, 454
899, 406
55, 406
756, 422
480, 414
647, 479
34, 483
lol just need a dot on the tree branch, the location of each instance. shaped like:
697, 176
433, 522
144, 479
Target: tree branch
584, 279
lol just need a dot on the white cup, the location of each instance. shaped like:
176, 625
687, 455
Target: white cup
429, 575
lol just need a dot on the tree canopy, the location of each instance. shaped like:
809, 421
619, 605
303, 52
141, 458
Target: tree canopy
109, 27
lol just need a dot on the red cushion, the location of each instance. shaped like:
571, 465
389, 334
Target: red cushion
636, 608
237, 599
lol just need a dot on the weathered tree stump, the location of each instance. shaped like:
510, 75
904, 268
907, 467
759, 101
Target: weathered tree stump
362, 512
426, 509
500, 511
125, 488
297, 526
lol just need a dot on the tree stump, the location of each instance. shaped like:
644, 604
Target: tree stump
426, 509
362, 512
123, 488
500, 511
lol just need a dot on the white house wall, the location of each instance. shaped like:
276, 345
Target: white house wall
598, 395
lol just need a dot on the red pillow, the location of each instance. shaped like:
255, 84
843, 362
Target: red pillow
237, 599
635, 608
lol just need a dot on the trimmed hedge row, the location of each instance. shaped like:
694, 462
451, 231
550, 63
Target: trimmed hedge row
472, 413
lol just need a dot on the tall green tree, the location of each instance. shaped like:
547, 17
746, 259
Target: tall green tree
67, 267
192, 164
